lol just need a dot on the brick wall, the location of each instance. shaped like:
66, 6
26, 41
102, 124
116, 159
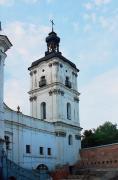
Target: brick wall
105, 156
60, 173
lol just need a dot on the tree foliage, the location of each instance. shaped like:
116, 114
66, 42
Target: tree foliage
104, 134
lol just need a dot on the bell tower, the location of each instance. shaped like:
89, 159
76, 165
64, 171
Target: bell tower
5, 44
54, 96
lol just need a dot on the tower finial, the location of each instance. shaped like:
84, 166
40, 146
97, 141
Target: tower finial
52, 24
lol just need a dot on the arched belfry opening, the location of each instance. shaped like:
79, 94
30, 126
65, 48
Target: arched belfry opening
52, 41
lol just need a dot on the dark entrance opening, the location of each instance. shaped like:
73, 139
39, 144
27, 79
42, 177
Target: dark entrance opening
11, 178
43, 171
42, 167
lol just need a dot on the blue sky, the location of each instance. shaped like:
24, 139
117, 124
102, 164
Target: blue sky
89, 38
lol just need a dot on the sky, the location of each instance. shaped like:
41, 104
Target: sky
89, 38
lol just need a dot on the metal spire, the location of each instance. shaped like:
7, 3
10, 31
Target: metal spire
52, 24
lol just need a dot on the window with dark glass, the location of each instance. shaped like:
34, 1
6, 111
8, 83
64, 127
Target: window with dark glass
68, 111
43, 110
28, 148
7, 142
42, 81
41, 149
49, 151
70, 140
67, 82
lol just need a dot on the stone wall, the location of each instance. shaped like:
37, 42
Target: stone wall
105, 156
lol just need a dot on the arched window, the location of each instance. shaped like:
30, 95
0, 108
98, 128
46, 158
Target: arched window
43, 110
68, 111
70, 140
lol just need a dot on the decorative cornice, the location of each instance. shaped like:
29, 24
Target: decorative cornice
33, 98
60, 123
27, 126
56, 91
52, 85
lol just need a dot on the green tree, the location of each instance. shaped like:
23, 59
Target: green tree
104, 134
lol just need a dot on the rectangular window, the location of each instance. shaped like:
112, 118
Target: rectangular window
41, 151
28, 149
7, 141
49, 151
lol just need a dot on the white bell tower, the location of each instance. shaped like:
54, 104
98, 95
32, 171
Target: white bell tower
54, 95
5, 44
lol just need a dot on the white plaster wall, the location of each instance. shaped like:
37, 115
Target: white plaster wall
35, 132
2, 59
30, 131
56, 104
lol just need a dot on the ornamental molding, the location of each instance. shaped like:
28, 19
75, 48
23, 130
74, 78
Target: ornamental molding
75, 74
56, 91
33, 98
76, 99
55, 63
33, 72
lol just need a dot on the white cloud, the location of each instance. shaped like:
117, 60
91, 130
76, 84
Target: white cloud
90, 17
101, 2
99, 100
26, 38
15, 95
6, 2
95, 3
31, 1
109, 23
37, 1
28, 45
11, 2
88, 5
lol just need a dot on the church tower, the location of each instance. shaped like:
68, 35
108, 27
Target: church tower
5, 44
54, 96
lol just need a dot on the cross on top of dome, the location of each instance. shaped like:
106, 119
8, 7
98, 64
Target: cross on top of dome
52, 24
52, 41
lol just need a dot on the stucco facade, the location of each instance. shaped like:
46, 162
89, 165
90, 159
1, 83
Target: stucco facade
51, 134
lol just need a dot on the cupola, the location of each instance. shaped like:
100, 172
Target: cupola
52, 41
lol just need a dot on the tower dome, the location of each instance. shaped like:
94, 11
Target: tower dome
52, 41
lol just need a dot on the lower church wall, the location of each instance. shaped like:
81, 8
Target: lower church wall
24, 130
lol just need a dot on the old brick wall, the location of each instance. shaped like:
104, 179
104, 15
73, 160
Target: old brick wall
105, 156
60, 173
